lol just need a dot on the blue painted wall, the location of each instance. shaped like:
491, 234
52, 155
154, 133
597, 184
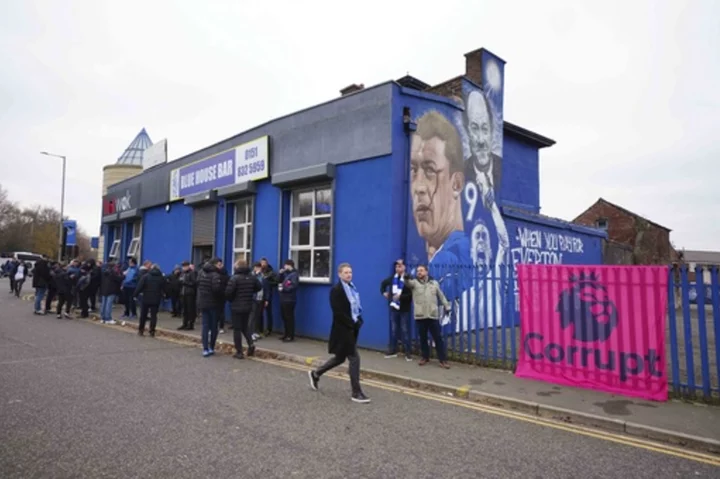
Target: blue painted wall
521, 174
362, 236
167, 235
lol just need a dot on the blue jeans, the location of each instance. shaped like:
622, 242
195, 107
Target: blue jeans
400, 331
209, 326
106, 307
431, 326
39, 295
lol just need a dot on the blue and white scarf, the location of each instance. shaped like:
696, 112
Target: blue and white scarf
397, 286
354, 297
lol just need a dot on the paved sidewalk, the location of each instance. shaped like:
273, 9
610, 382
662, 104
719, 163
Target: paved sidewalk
674, 421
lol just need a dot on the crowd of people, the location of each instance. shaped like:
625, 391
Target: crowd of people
205, 291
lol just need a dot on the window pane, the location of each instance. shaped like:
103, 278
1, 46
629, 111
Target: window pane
322, 232
321, 264
249, 211
302, 203
323, 201
243, 256
302, 262
248, 243
240, 212
301, 233
240, 237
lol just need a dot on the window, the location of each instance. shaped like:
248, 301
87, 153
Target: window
242, 231
115, 248
310, 225
602, 223
134, 247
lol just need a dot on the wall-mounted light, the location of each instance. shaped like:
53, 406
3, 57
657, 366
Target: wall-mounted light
407, 120
406, 115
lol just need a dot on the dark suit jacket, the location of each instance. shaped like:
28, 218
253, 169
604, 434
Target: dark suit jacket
344, 332
496, 176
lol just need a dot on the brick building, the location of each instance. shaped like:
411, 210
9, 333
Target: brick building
631, 239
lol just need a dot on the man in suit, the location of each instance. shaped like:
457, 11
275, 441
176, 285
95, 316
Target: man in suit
347, 321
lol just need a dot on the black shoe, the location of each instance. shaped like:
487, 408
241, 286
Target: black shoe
283, 338
288, 340
314, 379
141, 333
238, 356
190, 328
251, 351
152, 334
183, 328
360, 398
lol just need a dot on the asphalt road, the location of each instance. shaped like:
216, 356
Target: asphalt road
84, 400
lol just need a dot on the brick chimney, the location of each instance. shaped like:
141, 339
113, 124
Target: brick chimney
352, 89
473, 66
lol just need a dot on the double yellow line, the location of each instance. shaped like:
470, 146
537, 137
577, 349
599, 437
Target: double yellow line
583, 431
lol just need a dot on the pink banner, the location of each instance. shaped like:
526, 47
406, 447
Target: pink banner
595, 327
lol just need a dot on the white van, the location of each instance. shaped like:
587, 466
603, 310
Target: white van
28, 258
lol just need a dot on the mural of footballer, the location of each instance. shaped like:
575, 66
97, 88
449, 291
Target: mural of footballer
437, 181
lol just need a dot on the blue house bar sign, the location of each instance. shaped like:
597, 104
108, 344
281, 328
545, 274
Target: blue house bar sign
247, 162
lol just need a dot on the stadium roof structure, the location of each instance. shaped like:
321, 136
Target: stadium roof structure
133, 154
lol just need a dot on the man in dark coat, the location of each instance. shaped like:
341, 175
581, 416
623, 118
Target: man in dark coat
399, 296
51, 290
347, 321
271, 281
41, 281
288, 280
173, 290
64, 288
110, 287
240, 291
95, 279
224, 277
210, 298
152, 287
188, 294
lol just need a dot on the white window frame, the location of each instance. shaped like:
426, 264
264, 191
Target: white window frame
292, 249
134, 246
249, 206
115, 247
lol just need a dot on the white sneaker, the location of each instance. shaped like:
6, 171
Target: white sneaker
112, 321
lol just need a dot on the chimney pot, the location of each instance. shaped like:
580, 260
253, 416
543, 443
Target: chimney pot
352, 88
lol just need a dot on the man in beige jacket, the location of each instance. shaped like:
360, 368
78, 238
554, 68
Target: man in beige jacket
426, 294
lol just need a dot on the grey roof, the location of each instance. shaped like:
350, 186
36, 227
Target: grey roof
133, 154
701, 257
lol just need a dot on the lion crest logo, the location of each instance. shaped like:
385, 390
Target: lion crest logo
586, 307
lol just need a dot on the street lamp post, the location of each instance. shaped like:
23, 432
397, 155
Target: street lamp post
62, 203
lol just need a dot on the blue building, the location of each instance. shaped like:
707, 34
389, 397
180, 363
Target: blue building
399, 170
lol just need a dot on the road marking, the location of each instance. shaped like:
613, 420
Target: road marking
309, 360
584, 431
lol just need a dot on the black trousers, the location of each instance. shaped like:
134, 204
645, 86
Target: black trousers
288, 316
18, 287
84, 299
240, 329
189, 309
353, 368
256, 317
64, 300
269, 316
92, 296
49, 296
144, 310
176, 305
221, 316
12, 284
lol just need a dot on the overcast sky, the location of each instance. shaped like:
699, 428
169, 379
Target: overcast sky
627, 89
